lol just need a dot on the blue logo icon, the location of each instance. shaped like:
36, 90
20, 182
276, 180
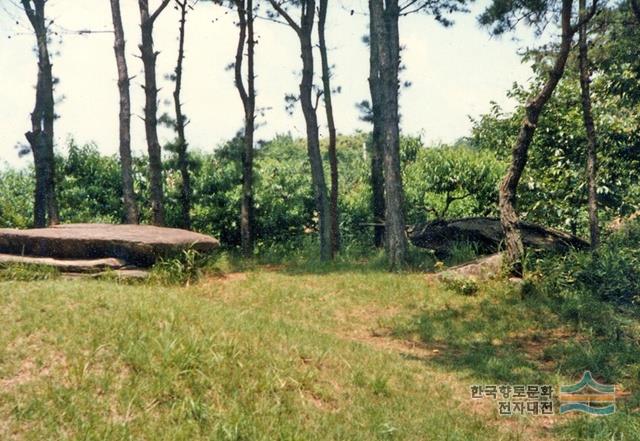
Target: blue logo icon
588, 396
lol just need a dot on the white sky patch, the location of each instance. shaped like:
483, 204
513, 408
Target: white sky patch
455, 72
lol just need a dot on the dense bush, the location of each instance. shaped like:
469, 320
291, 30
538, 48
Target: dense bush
16, 198
452, 182
612, 273
88, 186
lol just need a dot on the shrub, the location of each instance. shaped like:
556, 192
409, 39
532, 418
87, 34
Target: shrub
185, 269
451, 181
461, 285
16, 198
612, 273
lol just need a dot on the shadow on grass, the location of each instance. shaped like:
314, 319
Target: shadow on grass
504, 339
492, 341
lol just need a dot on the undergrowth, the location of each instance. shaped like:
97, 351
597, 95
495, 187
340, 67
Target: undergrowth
23, 272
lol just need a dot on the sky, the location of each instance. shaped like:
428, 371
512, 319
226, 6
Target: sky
455, 73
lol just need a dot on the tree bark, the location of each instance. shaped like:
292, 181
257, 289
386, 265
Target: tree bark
128, 194
385, 20
377, 146
38, 145
48, 125
304, 31
149, 56
377, 187
333, 158
328, 104
40, 137
313, 142
183, 159
248, 97
592, 140
533, 109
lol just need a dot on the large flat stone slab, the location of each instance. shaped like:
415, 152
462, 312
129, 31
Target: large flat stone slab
486, 232
120, 274
139, 245
67, 265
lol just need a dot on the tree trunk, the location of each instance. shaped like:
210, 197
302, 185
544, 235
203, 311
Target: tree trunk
328, 104
183, 160
128, 194
304, 32
38, 146
508, 187
385, 27
151, 108
313, 143
40, 137
377, 147
248, 97
592, 141
377, 187
48, 123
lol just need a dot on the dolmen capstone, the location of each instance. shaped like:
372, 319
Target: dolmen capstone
486, 232
134, 245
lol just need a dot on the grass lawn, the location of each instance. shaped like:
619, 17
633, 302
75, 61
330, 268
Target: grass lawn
284, 353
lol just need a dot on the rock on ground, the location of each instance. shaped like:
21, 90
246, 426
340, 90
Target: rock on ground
486, 232
139, 245
119, 274
67, 265
484, 268
479, 269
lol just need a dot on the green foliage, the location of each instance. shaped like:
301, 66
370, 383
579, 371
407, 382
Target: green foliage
553, 187
16, 198
89, 185
503, 16
450, 181
185, 269
21, 272
354, 201
216, 192
616, 53
612, 273
461, 285
284, 197
285, 218
461, 252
